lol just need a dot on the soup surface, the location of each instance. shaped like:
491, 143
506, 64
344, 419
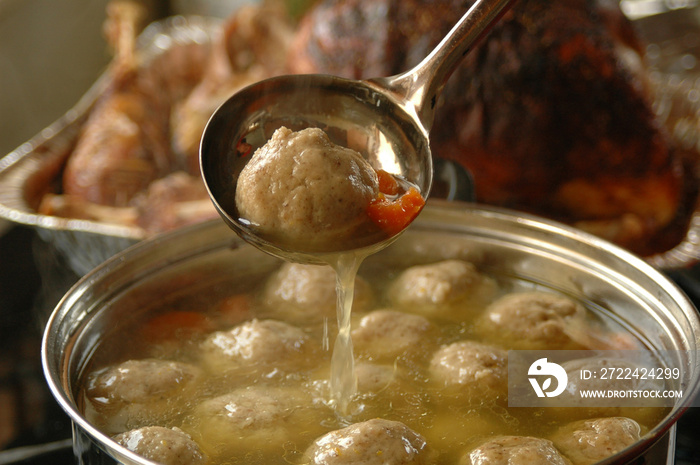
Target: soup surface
241, 368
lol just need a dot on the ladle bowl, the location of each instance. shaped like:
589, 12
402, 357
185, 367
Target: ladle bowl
344, 109
387, 120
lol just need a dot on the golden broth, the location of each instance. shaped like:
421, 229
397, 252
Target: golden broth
392, 387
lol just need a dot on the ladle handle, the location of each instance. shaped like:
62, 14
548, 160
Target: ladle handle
421, 86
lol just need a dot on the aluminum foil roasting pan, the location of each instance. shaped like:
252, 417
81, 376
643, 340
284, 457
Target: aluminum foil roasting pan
34, 168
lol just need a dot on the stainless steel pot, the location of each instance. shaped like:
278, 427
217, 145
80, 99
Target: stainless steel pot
499, 241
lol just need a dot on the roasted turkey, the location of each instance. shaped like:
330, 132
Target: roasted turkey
551, 113
251, 47
123, 145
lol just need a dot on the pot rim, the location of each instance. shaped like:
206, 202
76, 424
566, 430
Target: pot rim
55, 366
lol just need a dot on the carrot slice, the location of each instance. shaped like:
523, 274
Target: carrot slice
394, 215
172, 325
387, 183
234, 309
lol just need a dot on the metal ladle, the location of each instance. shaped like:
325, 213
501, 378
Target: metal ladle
386, 119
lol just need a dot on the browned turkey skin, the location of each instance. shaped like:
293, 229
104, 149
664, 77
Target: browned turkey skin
124, 144
550, 113
250, 48
123, 169
136, 160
